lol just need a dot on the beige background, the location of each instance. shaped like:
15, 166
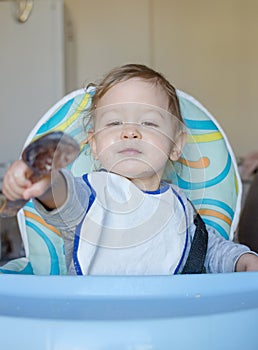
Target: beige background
207, 48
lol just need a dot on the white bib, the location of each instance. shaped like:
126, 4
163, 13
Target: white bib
130, 232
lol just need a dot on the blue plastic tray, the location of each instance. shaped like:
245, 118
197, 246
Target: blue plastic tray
218, 311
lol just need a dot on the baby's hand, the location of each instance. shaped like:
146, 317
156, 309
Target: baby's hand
17, 183
247, 262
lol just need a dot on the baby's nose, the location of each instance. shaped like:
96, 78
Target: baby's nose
131, 132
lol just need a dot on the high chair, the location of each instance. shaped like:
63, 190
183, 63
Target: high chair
201, 311
207, 172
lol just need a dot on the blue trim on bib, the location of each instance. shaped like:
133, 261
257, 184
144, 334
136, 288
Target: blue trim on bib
187, 232
93, 192
92, 197
163, 188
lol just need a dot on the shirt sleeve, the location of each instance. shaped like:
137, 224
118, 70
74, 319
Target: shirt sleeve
222, 255
69, 215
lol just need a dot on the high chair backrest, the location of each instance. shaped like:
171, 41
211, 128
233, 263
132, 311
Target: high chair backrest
207, 172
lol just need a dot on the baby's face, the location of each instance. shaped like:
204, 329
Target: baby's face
134, 134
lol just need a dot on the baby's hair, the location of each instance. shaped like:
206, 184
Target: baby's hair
130, 71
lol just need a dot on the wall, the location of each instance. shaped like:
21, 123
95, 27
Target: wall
31, 70
102, 34
207, 48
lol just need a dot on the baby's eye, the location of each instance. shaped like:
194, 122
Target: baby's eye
149, 123
114, 123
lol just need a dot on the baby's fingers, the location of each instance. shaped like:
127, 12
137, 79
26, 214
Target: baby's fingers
16, 180
38, 188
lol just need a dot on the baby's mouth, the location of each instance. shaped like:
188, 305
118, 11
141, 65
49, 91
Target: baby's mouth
130, 151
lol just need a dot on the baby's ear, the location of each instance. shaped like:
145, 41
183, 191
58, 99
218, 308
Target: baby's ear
92, 142
178, 146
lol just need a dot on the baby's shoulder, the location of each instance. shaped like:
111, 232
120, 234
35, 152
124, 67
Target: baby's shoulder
179, 193
183, 199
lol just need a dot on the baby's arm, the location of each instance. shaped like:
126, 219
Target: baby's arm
50, 189
227, 256
70, 214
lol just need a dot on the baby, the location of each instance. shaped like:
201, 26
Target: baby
124, 219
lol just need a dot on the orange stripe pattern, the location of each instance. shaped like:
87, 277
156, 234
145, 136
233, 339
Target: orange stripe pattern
210, 212
37, 218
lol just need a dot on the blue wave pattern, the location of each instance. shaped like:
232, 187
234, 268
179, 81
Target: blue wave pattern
217, 194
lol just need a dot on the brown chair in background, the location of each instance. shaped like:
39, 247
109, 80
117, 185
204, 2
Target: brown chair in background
248, 224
